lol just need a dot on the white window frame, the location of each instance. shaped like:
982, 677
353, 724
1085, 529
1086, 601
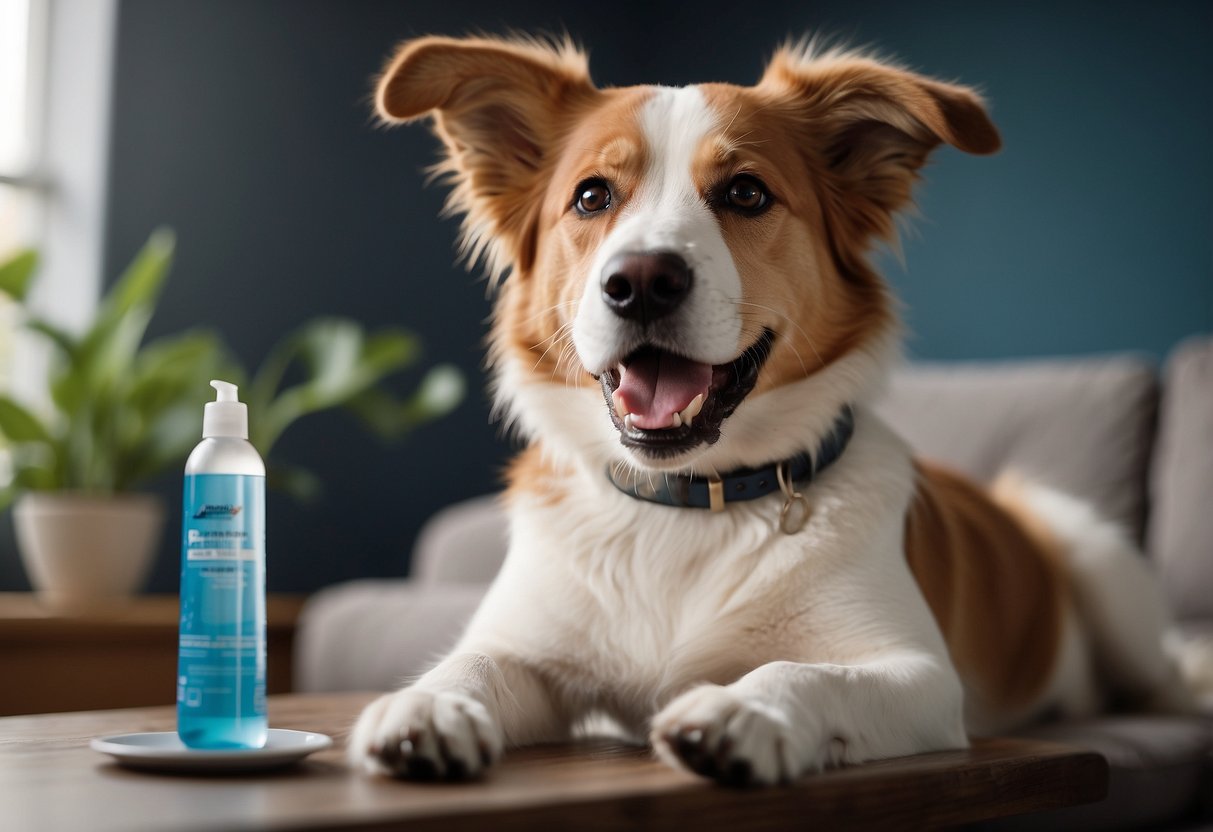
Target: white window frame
25, 178
72, 68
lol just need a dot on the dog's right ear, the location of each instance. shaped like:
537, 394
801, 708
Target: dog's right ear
501, 108
872, 125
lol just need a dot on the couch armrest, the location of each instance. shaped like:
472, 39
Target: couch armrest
375, 634
1181, 525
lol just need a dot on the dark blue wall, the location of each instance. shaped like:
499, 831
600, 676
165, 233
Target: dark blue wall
1091, 230
245, 125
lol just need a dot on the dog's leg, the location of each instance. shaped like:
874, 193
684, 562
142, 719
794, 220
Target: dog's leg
785, 719
456, 719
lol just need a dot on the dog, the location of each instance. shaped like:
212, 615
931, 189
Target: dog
716, 546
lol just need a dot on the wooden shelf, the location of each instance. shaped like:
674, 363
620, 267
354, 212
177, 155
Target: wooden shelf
118, 656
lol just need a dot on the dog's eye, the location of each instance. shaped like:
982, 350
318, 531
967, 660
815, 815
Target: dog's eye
747, 194
592, 196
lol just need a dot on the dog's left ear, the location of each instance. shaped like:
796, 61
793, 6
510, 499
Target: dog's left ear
872, 126
501, 108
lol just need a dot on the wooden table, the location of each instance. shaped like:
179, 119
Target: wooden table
117, 656
50, 780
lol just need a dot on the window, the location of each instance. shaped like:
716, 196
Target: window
56, 69
20, 195
18, 123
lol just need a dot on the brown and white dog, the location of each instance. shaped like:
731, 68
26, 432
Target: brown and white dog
690, 308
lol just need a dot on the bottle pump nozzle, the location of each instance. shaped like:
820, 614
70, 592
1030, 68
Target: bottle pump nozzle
226, 415
225, 391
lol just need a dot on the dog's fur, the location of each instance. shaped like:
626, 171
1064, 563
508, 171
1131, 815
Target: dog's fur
913, 608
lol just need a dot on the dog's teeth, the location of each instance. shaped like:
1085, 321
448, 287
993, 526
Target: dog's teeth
692, 410
621, 408
688, 413
627, 422
676, 420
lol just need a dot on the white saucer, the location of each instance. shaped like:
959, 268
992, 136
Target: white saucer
164, 750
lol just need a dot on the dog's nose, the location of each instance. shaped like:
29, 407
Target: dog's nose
643, 286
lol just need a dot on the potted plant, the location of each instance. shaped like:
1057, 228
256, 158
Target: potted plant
121, 411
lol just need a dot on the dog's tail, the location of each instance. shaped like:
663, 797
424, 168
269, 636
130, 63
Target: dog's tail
1137, 648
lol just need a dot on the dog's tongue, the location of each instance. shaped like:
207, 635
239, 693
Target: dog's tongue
656, 385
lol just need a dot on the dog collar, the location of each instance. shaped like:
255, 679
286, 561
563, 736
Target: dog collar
681, 491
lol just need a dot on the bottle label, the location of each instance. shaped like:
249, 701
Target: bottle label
221, 647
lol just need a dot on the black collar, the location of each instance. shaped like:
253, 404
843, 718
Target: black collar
682, 491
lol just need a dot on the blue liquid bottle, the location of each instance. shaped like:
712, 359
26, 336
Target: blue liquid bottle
221, 642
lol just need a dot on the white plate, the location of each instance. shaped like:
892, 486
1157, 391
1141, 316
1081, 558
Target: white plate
164, 750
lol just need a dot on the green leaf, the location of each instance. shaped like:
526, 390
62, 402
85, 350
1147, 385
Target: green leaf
439, 393
383, 413
68, 391
178, 367
107, 349
341, 362
127, 409
34, 467
162, 402
299, 483
90, 382
261, 390
65, 341
35, 478
18, 424
17, 272
388, 351
140, 284
166, 441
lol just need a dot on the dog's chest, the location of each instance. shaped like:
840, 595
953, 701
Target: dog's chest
668, 598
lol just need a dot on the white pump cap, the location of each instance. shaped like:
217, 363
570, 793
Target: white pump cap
226, 415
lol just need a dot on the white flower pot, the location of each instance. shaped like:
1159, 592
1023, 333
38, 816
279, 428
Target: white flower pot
82, 551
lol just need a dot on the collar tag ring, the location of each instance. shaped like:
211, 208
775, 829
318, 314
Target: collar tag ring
795, 512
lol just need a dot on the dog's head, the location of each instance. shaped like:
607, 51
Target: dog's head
686, 265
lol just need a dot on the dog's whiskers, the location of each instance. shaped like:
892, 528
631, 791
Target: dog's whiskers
559, 336
556, 307
792, 321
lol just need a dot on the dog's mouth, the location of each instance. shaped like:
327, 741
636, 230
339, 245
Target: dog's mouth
664, 404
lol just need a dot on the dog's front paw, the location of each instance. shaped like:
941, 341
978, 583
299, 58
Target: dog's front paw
713, 731
424, 735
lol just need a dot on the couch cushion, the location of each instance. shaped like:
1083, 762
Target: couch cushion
375, 634
1157, 772
1082, 425
464, 543
1181, 480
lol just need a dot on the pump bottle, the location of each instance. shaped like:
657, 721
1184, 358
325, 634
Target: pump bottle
221, 642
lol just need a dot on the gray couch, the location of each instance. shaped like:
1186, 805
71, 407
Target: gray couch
1137, 443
